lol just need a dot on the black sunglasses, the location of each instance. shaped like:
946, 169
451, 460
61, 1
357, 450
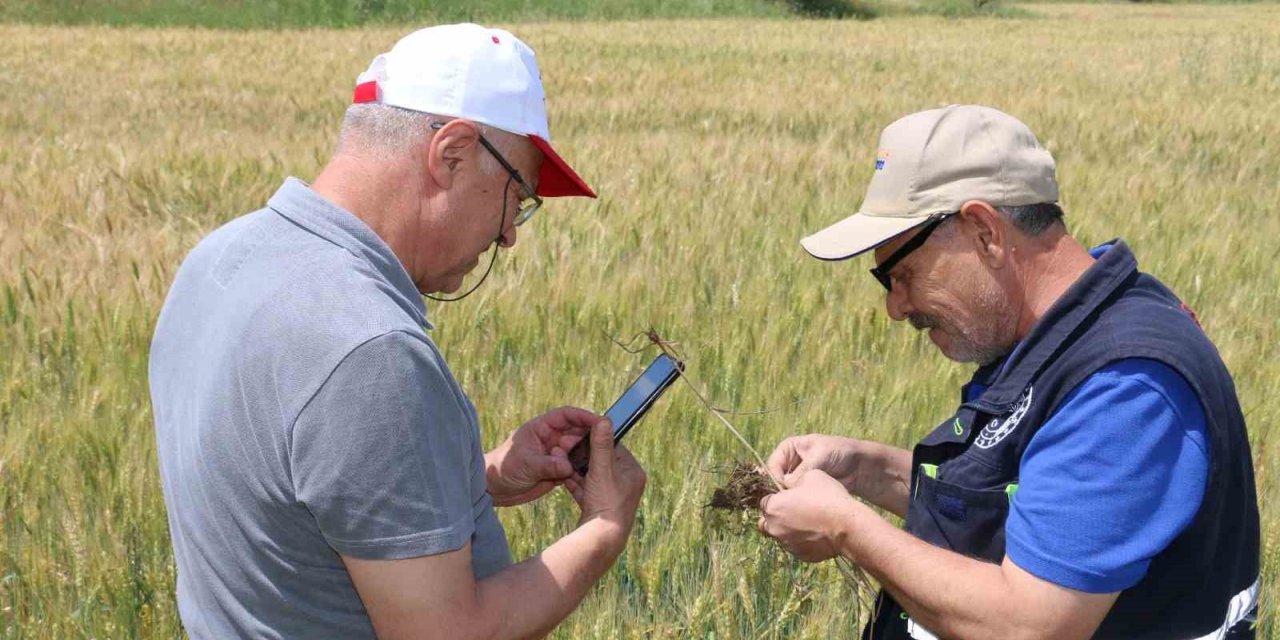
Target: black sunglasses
530, 202
881, 271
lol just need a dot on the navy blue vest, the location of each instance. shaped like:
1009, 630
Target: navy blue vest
966, 470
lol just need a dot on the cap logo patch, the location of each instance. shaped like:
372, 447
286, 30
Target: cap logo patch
881, 159
495, 39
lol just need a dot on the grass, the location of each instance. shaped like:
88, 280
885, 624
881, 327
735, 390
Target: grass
715, 146
239, 14
276, 14
337, 13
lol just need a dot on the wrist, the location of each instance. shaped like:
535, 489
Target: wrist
857, 454
609, 533
878, 474
845, 528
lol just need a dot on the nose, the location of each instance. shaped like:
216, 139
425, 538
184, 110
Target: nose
896, 303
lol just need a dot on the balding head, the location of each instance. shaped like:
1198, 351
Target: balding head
385, 133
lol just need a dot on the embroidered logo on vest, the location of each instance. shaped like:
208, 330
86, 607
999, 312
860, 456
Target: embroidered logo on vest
998, 430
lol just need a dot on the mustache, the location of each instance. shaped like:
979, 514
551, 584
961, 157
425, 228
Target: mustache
922, 321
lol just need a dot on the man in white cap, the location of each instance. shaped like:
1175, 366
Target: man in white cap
1096, 479
321, 466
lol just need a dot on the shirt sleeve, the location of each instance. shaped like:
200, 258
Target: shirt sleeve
381, 455
1111, 479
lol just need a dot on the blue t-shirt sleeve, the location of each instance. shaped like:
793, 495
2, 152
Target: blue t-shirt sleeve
1111, 479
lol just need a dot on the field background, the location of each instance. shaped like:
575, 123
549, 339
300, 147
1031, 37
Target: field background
715, 145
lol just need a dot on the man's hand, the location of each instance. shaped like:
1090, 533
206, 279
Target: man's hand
438, 595
837, 457
611, 491
878, 473
535, 459
812, 516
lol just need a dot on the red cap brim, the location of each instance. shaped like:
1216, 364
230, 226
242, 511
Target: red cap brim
557, 177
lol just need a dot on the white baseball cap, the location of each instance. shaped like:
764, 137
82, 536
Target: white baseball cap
475, 73
933, 162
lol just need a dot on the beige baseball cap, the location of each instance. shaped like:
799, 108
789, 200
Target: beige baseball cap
933, 162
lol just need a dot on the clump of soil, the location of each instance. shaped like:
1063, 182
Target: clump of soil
746, 486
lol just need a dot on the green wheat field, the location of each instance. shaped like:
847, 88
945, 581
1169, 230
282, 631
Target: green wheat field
715, 145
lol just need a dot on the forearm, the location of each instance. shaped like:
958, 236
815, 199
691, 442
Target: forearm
883, 476
529, 599
952, 595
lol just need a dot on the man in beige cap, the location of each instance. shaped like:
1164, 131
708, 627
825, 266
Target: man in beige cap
322, 468
1096, 479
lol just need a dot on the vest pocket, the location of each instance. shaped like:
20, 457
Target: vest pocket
968, 521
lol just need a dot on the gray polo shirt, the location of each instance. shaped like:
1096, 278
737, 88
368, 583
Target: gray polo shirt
301, 412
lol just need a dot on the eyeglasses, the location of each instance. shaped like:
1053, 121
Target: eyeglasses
881, 271
530, 202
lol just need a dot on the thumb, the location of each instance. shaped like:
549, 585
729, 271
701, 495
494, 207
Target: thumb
602, 447
792, 479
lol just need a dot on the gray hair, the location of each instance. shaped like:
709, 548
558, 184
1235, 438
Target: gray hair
1030, 219
1034, 219
387, 132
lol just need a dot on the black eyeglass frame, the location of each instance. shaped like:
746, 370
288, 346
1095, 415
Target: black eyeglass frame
523, 211
881, 271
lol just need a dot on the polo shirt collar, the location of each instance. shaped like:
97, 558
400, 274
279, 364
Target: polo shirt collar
298, 202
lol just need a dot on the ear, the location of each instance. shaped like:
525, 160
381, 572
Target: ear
452, 148
987, 231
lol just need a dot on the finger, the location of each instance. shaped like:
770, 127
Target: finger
570, 438
793, 477
552, 467
551, 434
602, 449
567, 418
543, 430
784, 458
792, 480
764, 504
762, 527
